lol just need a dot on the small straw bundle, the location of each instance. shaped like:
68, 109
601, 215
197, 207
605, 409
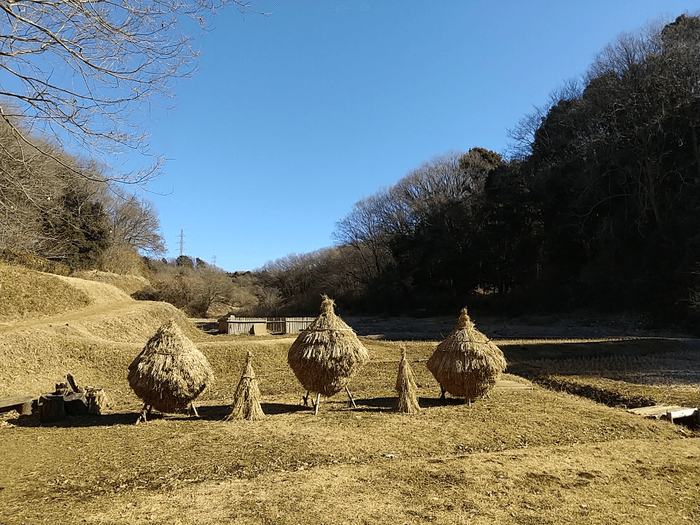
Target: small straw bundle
466, 364
326, 354
407, 403
170, 372
246, 403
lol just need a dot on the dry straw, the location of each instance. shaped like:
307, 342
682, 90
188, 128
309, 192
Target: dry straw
170, 372
407, 403
327, 354
466, 363
246, 403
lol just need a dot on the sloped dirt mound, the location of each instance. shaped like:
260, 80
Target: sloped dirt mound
28, 294
99, 292
94, 339
126, 283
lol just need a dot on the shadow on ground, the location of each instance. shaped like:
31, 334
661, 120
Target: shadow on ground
206, 413
388, 403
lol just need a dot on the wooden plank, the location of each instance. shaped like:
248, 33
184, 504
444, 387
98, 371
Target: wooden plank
512, 385
684, 412
275, 325
669, 412
295, 325
17, 403
655, 411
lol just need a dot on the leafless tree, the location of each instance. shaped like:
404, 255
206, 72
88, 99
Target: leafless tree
134, 223
33, 177
78, 70
522, 135
363, 229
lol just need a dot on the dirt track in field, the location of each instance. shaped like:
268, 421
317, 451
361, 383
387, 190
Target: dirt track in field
94, 310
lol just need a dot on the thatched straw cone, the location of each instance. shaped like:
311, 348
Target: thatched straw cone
466, 364
407, 403
327, 354
170, 372
246, 403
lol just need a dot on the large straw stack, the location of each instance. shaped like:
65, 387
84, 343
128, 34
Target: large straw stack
407, 403
466, 364
246, 403
170, 372
327, 354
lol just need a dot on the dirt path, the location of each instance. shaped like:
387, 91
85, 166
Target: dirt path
105, 300
94, 310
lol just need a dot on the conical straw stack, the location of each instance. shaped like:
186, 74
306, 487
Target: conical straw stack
407, 403
246, 404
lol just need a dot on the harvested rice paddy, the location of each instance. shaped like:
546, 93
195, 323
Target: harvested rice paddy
518, 456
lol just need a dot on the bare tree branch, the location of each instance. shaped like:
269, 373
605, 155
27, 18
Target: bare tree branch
79, 69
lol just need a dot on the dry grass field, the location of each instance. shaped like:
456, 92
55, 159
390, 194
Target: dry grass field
532, 456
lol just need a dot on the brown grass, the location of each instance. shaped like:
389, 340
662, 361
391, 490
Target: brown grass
26, 293
531, 456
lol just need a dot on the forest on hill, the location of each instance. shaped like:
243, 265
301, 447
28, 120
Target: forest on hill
595, 206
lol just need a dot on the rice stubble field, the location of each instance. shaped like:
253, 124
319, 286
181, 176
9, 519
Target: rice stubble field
518, 456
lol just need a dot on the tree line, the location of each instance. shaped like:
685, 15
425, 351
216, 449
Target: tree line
60, 207
595, 205
74, 77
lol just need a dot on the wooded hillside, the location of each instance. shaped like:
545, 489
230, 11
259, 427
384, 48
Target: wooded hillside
597, 205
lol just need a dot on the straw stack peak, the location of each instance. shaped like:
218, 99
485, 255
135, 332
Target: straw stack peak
464, 322
168, 340
249, 372
327, 305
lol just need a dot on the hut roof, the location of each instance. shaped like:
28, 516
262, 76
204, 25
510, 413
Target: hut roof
466, 364
326, 354
170, 372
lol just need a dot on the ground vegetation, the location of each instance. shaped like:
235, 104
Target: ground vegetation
520, 456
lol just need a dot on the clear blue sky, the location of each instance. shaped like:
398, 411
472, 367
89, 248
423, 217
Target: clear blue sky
294, 117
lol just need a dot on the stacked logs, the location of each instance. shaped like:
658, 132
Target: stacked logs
68, 399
